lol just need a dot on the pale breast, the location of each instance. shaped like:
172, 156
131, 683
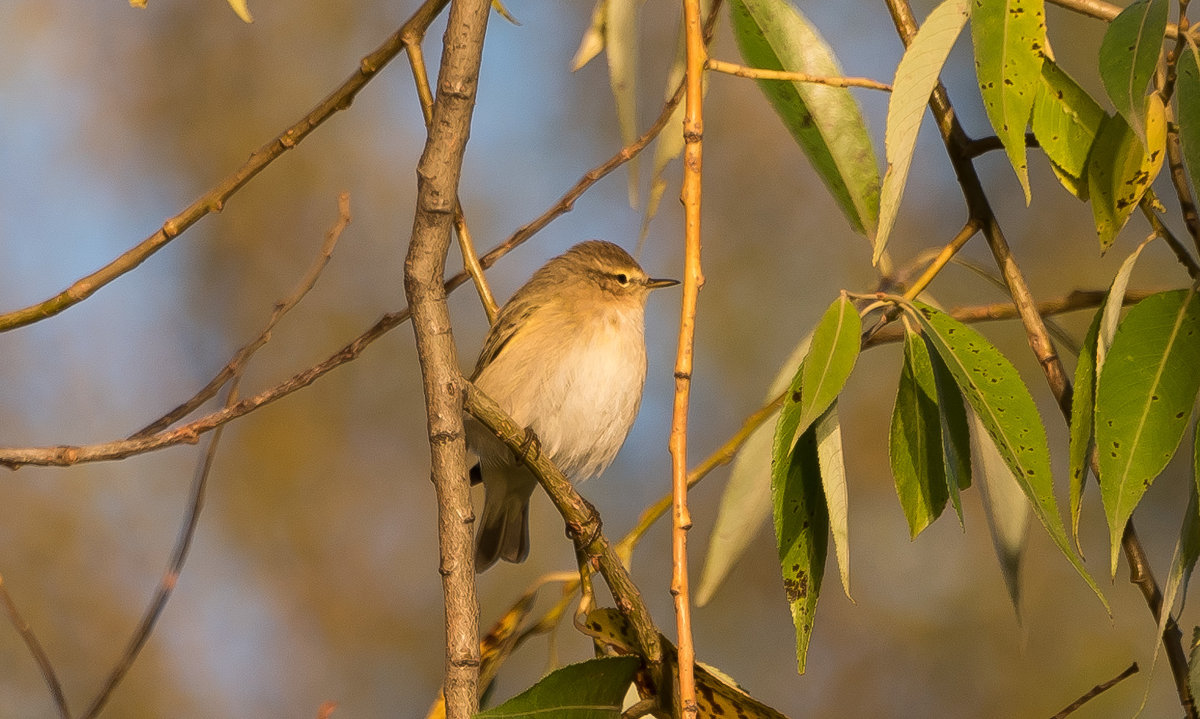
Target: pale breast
581, 395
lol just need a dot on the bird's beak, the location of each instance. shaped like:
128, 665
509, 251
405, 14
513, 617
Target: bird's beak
656, 283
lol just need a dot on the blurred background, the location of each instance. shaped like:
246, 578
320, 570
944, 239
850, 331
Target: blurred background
313, 576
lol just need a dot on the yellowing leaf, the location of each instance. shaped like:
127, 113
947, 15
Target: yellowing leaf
239, 7
1120, 169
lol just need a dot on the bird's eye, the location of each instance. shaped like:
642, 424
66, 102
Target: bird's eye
622, 278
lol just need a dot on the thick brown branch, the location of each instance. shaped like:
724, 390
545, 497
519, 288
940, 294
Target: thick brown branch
438, 173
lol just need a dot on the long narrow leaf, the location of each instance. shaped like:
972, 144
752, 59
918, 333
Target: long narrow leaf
746, 502
916, 76
1083, 403
1144, 397
1010, 39
833, 479
1128, 56
915, 442
1187, 95
825, 121
835, 345
1006, 509
620, 47
993, 388
1065, 122
592, 689
956, 437
801, 526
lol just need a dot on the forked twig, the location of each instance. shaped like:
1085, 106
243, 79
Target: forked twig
35, 648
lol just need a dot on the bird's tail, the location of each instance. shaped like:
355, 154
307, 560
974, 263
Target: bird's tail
504, 529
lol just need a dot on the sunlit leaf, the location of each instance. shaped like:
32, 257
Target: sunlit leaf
994, 389
592, 689
1083, 402
825, 121
835, 345
620, 47
746, 501
801, 525
242, 10
1065, 120
1144, 397
1120, 169
916, 76
1187, 96
1006, 509
1128, 56
1010, 39
915, 444
833, 480
592, 43
504, 13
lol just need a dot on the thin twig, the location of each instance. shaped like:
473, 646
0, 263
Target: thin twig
1160, 227
243, 355
65, 455
214, 199
964, 235
693, 281
170, 578
1096, 691
1104, 11
35, 648
758, 73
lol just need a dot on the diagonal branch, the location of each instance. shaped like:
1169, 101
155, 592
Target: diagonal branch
214, 200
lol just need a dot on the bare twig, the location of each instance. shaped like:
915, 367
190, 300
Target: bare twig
214, 200
757, 73
1104, 11
65, 455
35, 648
693, 280
243, 355
438, 173
1096, 691
170, 578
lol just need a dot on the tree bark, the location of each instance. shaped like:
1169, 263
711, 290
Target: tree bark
437, 188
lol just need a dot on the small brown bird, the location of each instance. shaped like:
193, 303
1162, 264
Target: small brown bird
566, 357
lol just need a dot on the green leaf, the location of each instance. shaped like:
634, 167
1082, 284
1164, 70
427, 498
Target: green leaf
1194, 662
801, 525
956, 437
820, 379
1187, 95
620, 47
833, 479
916, 76
993, 388
1006, 509
915, 441
825, 121
1083, 402
1065, 120
1010, 39
593, 689
1187, 550
1120, 169
1144, 397
746, 501
1128, 56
